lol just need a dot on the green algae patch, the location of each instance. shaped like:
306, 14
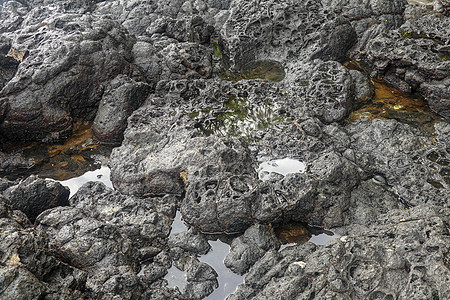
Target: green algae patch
216, 49
238, 116
419, 35
435, 184
264, 69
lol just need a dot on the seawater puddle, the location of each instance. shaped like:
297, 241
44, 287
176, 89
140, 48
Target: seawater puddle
78, 154
262, 69
174, 276
390, 103
228, 281
296, 233
282, 166
102, 175
290, 234
238, 116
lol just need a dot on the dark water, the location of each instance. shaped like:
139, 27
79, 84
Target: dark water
73, 158
390, 103
291, 234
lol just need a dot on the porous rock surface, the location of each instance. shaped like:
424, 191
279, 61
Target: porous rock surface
198, 96
391, 259
415, 57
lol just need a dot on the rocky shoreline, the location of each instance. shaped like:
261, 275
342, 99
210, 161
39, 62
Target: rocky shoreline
198, 98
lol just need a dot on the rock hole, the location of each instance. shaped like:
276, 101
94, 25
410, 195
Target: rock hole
211, 185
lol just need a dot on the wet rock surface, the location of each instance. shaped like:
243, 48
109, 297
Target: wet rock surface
235, 113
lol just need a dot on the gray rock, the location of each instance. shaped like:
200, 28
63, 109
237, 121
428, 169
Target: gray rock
393, 258
442, 6
319, 89
68, 58
188, 61
201, 279
190, 242
14, 163
8, 66
415, 57
34, 195
283, 31
412, 165
119, 100
111, 236
369, 18
250, 247
146, 220
28, 266
363, 88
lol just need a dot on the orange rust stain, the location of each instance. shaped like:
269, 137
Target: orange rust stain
293, 233
81, 135
390, 103
67, 160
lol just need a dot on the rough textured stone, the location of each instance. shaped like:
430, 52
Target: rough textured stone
29, 267
250, 247
320, 89
393, 258
120, 99
233, 85
414, 167
363, 88
108, 235
190, 242
34, 195
282, 31
67, 59
416, 56
14, 163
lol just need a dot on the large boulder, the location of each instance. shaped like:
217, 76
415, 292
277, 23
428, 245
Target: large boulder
35, 195
65, 60
122, 96
112, 237
319, 89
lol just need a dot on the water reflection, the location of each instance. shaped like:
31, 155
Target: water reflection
280, 166
323, 238
102, 175
176, 278
228, 281
296, 233
391, 103
78, 154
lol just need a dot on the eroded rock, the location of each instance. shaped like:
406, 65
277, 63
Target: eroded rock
392, 258
34, 195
